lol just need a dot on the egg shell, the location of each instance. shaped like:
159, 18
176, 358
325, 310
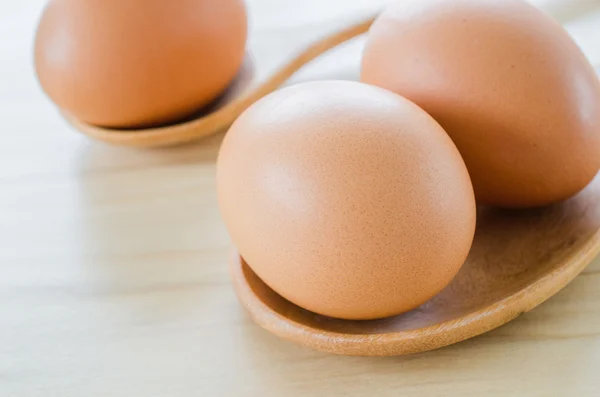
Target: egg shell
138, 63
509, 85
346, 199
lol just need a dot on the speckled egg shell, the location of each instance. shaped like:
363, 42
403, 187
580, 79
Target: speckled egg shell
138, 63
346, 199
509, 85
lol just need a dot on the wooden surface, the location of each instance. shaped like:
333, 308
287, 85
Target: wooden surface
518, 260
113, 261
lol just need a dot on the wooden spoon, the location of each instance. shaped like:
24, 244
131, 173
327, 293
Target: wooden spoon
518, 260
224, 116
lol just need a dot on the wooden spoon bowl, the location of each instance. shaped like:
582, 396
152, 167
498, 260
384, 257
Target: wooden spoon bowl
518, 260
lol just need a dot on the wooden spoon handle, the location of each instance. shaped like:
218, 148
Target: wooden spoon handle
224, 117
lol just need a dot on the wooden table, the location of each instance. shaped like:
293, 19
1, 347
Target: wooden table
113, 276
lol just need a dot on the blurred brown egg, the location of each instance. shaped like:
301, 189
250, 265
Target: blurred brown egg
138, 63
346, 199
509, 85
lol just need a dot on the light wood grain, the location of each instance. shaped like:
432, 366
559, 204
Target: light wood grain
113, 261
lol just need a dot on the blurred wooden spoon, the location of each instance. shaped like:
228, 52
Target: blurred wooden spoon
224, 116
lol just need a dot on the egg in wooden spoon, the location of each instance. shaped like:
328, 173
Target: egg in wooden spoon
137, 73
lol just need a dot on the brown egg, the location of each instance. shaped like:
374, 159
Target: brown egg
515, 93
138, 62
346, 199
